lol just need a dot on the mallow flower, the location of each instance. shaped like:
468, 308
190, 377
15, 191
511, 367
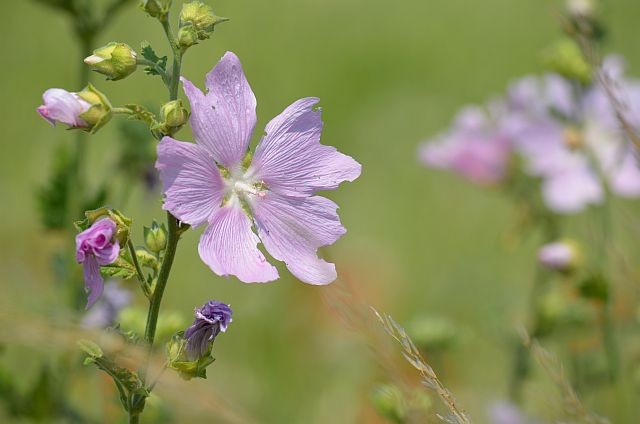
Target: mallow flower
63, 106
472, 148
96, 246
217, 183
213, 318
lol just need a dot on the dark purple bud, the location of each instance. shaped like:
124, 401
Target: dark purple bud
214, 317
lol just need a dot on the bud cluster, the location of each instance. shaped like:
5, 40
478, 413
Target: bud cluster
197, 22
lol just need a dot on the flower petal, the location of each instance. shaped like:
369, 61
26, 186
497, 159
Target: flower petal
192, 184
290, 159
572, 191
625, 180
63, 106
223, 119
292, 229
93, 282
228, 246
108, 254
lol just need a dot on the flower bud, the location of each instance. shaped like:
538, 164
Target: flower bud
200, 18
156, 8
99, 112
213, 318
187, 36
155, 238
63, 106
566, 59
562, 256
173, 116
115, 60
189, 351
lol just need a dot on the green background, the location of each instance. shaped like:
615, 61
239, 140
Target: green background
389, 74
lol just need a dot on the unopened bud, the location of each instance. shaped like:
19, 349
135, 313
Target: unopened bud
155, 237
566, 59
563, 256
115, 60
202, 21
174, 115
156, 8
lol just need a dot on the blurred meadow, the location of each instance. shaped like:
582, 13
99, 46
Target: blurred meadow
419, 242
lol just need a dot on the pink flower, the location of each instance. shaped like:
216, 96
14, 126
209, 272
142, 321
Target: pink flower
96, 246
63, 106
472, 148
210, 182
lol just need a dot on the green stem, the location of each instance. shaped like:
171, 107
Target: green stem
163, 278
608, 331
521, 363
136, 264
144, 62
173, 228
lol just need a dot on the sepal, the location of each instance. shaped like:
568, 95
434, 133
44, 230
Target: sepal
177, 359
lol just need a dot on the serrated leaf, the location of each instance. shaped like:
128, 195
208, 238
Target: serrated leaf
121, 268
141, 113
149, 54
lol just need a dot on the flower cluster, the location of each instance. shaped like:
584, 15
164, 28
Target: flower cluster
563, 133
215, 182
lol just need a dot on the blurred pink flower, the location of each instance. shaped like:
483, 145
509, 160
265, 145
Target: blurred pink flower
472, 148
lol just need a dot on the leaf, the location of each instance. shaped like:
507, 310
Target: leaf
141, 113
127, 382
121, 268
149, 54
90, 348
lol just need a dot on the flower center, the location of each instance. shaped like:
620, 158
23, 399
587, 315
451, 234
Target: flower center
241, 187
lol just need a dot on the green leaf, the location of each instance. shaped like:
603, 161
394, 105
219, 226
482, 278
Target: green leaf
149, 54
127, 382
121, 268
141, 113
90, 348
53, 197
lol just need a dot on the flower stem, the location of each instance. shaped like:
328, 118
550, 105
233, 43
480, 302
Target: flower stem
163, 277
136, 264
521, 363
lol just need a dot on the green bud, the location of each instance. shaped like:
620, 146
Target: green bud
566, 58
187, 36
173, 116
115, 60
202, 21
123, 224
156, 8
389, 402
99, 113
155, 238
